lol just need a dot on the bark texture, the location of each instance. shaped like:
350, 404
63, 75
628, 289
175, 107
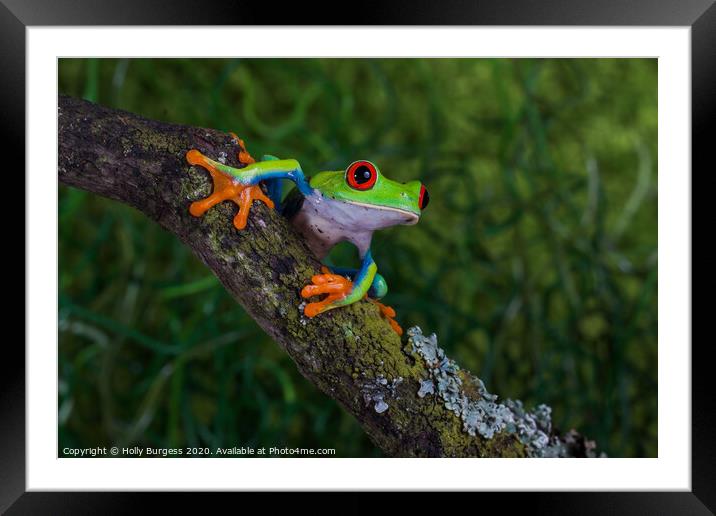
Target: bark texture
346, 352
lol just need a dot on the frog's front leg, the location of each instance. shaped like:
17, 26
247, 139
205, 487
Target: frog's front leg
341, 291
241, 185
378, 289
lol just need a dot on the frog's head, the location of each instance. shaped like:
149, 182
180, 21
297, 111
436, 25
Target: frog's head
381, 202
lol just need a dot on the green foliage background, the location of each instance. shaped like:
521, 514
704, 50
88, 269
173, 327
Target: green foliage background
535, 263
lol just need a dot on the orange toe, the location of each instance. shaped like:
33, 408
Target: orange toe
245, 200
194, 157
313, 309
389, 314
396, 327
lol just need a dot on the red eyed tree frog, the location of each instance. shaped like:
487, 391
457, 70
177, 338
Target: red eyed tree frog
326, 209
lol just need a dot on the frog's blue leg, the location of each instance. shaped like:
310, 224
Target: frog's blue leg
241, 185
258, 171
378, 289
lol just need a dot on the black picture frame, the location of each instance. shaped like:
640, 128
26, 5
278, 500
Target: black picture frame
700, 15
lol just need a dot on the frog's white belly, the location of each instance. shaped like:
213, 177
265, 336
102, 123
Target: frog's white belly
325, 222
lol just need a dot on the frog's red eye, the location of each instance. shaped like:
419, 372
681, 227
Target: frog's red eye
361, 175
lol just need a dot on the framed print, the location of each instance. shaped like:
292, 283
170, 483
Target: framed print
413, 248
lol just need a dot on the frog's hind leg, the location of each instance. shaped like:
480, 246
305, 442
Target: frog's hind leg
378, 288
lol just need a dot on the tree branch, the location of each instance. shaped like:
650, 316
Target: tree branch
351, 354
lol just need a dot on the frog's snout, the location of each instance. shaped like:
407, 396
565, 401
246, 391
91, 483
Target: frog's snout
424, 198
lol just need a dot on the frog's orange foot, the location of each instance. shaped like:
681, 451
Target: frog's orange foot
226, 189
336, 287
389, 314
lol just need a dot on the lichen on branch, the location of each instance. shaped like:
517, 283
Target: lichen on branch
409, 406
